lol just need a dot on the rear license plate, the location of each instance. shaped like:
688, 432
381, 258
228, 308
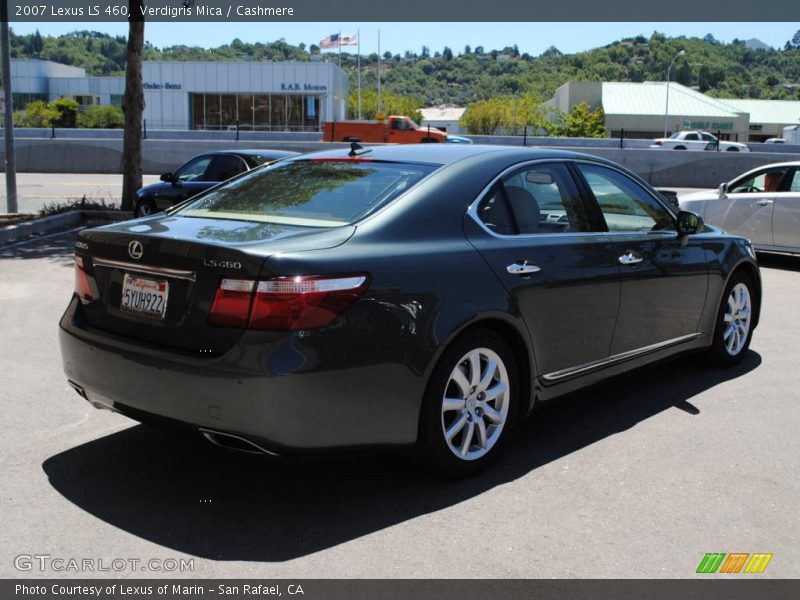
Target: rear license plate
146, 297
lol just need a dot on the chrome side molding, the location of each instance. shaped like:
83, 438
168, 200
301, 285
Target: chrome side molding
148, 269
604, 362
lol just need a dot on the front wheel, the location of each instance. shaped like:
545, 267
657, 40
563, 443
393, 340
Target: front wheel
145, 208
429, 140
470, 405
732, 149
734, 328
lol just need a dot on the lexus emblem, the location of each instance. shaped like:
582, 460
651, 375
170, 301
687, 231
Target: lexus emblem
135, 249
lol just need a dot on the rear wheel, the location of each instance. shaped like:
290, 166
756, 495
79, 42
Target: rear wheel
734, 328
145, 207
429, 140
732, 149
680, 147
470, 405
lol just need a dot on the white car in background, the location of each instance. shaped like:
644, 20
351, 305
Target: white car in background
762, 205
697, 140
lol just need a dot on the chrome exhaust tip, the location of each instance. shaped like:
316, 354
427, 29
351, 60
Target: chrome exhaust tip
234, 442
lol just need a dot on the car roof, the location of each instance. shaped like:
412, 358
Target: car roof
444, 154
270, 152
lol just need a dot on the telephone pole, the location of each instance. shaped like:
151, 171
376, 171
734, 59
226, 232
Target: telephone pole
8, 117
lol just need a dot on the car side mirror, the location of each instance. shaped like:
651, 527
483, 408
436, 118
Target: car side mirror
689, 223
723, 190
167, 177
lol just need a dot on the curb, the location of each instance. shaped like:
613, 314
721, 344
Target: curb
67, 220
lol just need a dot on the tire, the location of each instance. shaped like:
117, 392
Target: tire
732, 149
485, 420
734, 329
351, 138
429, 140
680, 147
145, 208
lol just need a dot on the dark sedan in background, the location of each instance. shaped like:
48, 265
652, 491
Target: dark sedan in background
198, 174
403, 295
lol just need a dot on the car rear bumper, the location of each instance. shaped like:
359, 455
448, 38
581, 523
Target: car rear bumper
261, 390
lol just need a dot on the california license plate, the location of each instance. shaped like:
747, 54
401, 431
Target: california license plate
146, 297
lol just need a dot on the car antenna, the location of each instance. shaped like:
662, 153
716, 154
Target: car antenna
357, 150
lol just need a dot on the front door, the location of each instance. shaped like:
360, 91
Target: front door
748, 208
534, 231
664, 278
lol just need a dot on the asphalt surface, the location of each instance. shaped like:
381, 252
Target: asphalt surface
35, 190
639, 477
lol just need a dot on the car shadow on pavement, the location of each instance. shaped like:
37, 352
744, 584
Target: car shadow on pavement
58, 248
197, 499
785, 262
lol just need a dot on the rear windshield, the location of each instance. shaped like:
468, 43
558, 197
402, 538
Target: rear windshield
312, 193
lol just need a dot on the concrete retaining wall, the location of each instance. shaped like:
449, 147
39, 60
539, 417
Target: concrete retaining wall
659, 167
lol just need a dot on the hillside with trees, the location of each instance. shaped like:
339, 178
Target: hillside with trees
503, 88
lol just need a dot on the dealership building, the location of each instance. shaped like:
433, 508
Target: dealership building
256, 96
638, 110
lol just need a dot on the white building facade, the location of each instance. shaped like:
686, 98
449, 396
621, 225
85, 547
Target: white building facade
255, 96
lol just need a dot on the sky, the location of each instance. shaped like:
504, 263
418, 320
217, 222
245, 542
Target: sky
533, 38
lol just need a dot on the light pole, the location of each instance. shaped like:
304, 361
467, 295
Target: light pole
666, 108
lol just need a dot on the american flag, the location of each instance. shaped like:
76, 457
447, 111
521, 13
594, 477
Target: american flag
336, 40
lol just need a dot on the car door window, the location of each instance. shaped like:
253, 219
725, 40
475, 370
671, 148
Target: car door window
692, 136
708, 137
767, 180
794, 186
224, 167
625, 205
539, 198
194, 170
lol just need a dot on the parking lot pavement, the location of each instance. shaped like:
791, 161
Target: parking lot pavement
35, 190
639, 477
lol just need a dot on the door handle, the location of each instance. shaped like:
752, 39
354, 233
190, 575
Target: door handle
765, 202
523, 268
629, 258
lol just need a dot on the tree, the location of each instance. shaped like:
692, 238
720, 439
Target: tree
582, 121
36, 114
102, 117
467, 49
67, 110
391, 104
133, 107
447, 53
313, 49
793, 43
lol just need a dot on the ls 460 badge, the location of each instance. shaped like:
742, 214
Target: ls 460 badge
221, 264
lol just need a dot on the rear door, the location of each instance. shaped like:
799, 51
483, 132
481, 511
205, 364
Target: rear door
786, 212
664, 278
533, 230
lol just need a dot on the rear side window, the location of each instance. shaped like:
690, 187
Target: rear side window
313, 193
625, 205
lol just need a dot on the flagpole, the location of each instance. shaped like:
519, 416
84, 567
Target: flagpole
379, 70
358, 67
339, 43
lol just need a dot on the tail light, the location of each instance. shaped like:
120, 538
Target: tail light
657, 143
231, 306
83, 286
303, 302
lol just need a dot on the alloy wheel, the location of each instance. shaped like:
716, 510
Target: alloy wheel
737, 319
475, 404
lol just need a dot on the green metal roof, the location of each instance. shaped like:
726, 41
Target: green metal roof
780, 112
649, 98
